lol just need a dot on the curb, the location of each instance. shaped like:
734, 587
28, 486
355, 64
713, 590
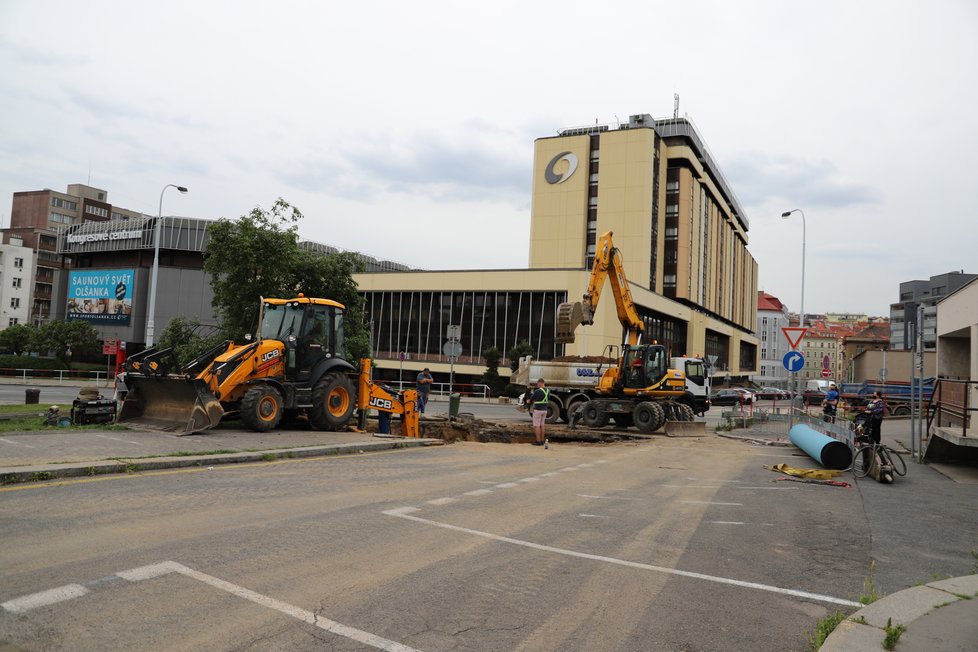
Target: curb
44, 472
902, 608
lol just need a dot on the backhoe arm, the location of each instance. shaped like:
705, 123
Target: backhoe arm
373, 396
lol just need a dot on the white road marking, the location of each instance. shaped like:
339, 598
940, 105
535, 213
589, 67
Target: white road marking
548, 475
400, 511
739, 523
301, 614
706, 502
10, 441
442, 501
148, 572
128, 441
534, 479
606, 497
507, 485
570, 468
44, 598
478, 492
592, 516
723, 481
585, 465
631, 564
691, 486
52, 596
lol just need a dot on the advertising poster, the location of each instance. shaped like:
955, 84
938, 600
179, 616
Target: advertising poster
102, 296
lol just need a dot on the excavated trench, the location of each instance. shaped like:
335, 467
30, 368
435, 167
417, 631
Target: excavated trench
468, 428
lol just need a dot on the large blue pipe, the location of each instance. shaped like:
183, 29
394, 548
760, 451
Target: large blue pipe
830, 453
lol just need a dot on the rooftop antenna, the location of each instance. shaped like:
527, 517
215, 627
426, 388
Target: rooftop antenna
675, 106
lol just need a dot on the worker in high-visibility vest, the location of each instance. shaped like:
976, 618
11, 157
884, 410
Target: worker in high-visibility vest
540, 401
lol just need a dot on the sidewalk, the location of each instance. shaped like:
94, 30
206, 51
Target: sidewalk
939, 617
51, 454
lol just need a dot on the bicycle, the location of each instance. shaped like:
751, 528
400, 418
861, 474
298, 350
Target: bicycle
868, 450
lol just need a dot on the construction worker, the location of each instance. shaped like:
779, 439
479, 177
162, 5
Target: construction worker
540, 400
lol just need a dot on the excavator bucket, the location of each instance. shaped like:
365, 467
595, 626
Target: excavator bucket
569, 316
173, 404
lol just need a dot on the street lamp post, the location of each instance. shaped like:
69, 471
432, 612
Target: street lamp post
151, 313
801, 320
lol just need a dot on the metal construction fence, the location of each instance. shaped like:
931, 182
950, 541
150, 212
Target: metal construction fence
778, 421
56, 377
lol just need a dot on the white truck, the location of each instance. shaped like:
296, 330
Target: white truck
572, 382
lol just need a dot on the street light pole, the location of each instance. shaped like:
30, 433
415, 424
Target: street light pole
151, 312
801, 320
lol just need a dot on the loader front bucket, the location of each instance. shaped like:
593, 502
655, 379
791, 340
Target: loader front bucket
685, 428
179, 405
569, 316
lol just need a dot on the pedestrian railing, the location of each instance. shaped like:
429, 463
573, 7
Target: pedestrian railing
55, 377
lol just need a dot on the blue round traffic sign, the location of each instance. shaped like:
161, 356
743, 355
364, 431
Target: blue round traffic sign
793, 361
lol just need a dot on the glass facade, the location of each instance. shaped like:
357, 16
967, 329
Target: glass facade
416, 323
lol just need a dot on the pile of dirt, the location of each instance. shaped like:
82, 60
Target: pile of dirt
589, 359
516, 432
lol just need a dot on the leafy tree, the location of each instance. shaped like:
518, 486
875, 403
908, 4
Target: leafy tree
189, 338
17, 338
497, 384
61, 336
258, 255
521, 349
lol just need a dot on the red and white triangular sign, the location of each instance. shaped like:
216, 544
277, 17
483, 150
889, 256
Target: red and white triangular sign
794, 335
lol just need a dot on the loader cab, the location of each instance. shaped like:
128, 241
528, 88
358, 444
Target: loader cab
643, 366
310, 329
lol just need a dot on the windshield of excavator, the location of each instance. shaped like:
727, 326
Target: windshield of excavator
280, 321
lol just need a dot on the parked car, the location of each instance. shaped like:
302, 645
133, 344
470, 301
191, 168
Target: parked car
772, 394
732, 396
813, 396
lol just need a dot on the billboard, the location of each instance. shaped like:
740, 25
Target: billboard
102, 296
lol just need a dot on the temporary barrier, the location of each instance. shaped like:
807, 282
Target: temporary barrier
830, 453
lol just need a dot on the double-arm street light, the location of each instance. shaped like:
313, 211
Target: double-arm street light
151, 313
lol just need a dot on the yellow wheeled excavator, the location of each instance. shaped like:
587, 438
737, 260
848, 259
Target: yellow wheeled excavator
292, 366
642, 389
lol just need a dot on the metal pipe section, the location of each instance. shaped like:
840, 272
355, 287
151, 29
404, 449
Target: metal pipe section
830, 453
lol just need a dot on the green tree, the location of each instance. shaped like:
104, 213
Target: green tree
189, 338
60, 337
258, 255
17, 338
521, 349
497, 384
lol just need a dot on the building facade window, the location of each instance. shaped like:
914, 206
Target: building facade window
57, 202
19, 263
96, 210
15, 302
12, 321
16, 282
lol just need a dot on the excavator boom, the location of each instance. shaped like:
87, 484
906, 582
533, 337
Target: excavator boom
607, 264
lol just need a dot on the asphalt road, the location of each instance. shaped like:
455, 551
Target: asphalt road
660, 545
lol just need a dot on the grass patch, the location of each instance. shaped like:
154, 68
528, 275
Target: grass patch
267, 457
893, 634
859, 620
219, 451
870, 593
823, 628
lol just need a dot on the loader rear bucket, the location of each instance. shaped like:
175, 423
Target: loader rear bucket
182, 406
569, 316
685, 428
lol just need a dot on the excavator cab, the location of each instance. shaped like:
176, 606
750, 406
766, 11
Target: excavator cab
309, 331
643, 366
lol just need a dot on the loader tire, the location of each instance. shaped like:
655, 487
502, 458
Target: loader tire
261, 408
553, 411
332, 402
687, 411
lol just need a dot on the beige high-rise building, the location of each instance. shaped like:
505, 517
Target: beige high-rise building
680, 229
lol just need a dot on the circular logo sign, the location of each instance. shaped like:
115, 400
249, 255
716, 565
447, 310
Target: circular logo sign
552, 177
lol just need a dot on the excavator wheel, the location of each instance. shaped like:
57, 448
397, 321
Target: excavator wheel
646, 416
261, 408
687, 412
332, 402
594, 416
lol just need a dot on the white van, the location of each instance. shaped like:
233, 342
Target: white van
818, 385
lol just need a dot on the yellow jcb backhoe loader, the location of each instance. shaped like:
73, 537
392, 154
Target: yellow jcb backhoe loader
292, 366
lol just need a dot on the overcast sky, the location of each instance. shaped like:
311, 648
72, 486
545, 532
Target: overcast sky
405, 129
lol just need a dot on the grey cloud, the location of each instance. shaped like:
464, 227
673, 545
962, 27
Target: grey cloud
759, 178
484, 163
